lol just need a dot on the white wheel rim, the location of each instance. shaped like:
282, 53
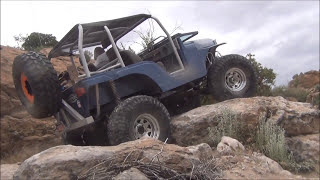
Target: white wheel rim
146, 125
235, 79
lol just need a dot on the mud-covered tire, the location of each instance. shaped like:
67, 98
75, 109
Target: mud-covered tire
124, 123
226, 73
36, 83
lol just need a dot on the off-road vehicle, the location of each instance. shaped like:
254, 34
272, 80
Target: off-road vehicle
132, 95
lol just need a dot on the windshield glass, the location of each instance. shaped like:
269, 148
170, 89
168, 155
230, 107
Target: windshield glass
186, 37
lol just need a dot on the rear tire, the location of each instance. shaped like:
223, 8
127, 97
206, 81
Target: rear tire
136, 117
232, 76
37, 85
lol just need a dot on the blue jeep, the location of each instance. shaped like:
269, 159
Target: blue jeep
131, 95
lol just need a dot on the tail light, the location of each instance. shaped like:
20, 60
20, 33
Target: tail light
80, 91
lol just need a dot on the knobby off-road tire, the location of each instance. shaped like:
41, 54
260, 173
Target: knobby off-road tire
232, 76
36, 83
136, 117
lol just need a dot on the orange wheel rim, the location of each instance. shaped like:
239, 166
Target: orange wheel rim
26, 88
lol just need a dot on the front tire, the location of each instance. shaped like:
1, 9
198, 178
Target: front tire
232, 76
137, 117
36, 83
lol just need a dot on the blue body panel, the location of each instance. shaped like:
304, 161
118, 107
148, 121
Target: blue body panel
193, 55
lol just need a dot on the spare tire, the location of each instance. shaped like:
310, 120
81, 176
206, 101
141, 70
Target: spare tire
232, 76
36, 83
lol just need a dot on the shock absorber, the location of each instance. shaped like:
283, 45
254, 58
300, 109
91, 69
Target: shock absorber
114, 92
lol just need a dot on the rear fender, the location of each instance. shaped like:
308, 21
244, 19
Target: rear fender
137, 84
126, 86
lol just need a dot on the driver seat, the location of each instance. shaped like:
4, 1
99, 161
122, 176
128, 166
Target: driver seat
128, 57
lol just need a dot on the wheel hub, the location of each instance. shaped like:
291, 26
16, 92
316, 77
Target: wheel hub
26, 88
235, 79
146, 125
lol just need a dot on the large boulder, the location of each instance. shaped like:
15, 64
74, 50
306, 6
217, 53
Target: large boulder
131, 174
69, 162
7, 171
23, 136
229, 145
295, 117
305, 148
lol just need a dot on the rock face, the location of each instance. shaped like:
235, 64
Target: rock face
236, 163
305, 148
131, 174
7, 171
295, 117
21, 135
251, 166
68, 162
305, 80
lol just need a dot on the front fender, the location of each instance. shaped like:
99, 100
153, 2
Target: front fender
214, 47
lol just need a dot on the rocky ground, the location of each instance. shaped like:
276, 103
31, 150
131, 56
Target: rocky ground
147, 158
229, 160
31, 148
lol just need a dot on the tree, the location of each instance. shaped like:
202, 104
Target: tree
19, 39
36, 41
148, 37
88, 55
265, 77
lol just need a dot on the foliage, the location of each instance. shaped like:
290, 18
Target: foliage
286, 92
316, 100
19, 39
265, 77
148, 37
88, 55
228, 126
129, 48
270, 140
207, 99
36, 41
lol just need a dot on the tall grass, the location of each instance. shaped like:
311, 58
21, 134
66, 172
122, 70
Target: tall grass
228, 126
270, 140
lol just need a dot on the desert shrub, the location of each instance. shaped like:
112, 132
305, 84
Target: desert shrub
298, 93
228, 126
270, 140
265, 76
316, 100
207, 100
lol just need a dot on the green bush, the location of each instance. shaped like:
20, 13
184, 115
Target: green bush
36, 41
228, 126
298, 93
270, 140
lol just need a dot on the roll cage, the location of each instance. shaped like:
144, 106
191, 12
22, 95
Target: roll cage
104, 33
